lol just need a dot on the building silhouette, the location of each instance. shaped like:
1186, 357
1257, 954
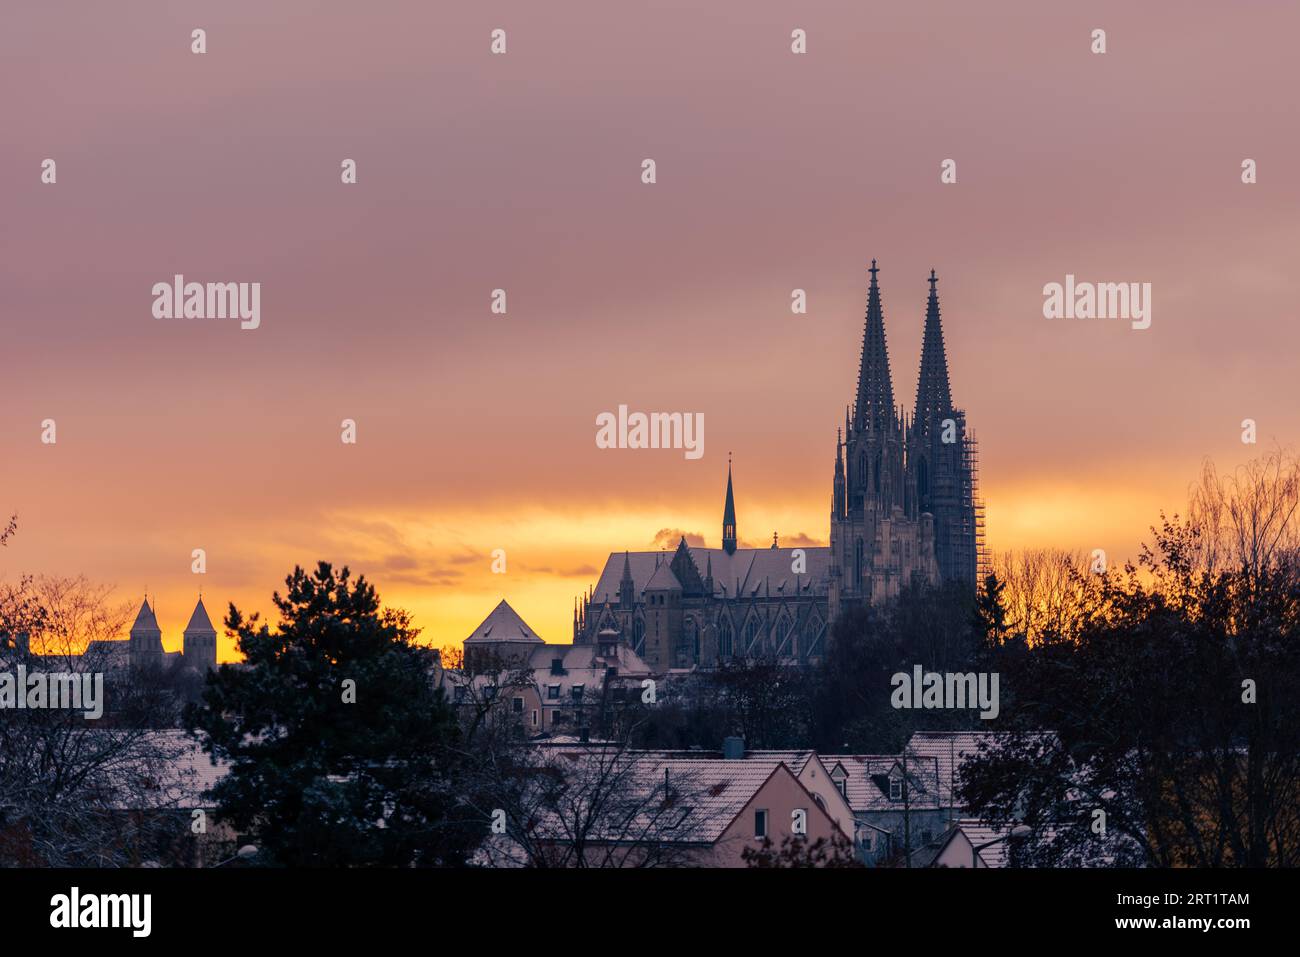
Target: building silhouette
141, 651
904, 510
199, 642
904, 501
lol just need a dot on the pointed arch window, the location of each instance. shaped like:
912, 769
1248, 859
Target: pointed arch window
638, 635
811, 629
726, 639
784, 629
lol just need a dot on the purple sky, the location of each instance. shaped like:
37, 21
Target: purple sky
521, 171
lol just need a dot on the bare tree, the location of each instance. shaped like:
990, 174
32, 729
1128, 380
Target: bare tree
479, 687
77, 613
452, 657
768, 702
1044, 589
600, 804
1247, 520
76, 790
1173, 699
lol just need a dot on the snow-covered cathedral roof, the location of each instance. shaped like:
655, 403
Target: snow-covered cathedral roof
750, 571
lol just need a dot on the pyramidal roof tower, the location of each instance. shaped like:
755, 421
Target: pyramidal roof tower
199, 620
146, 623
503, 639
200, 639
503, 623
145, 649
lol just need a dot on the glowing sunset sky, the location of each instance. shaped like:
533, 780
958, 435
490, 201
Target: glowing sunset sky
522, 171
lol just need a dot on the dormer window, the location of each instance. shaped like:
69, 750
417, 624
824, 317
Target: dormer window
895, 789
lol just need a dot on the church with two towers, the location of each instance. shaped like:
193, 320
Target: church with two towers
904, 510
198, 642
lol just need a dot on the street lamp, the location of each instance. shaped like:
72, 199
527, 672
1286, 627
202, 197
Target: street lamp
244, 853
1020, 830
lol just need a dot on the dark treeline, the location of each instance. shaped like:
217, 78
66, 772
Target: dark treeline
1156, 707
841, 704
1172, 698
1147, 716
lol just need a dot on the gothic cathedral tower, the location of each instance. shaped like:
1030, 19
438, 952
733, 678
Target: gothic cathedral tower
883, 525
941, 457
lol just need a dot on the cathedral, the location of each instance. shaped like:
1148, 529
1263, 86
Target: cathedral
904, 509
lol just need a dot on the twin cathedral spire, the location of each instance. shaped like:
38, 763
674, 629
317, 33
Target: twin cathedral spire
904, 501
904, 504
875, 409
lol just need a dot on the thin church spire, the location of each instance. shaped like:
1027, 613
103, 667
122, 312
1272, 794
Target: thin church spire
729, 516
875, 405
933, 393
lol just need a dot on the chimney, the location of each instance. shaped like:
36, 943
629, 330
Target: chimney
733, 748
